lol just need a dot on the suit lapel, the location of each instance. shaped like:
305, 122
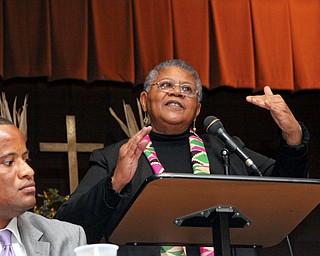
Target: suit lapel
31, 237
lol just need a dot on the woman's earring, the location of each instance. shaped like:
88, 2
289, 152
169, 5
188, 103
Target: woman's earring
146, 119
194, 129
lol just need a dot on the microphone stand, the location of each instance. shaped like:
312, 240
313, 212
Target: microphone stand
226, 165
226, 160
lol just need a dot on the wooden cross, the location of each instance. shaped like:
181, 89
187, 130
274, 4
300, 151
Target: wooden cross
72, 147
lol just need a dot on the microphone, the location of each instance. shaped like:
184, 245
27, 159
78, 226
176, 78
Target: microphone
214, 126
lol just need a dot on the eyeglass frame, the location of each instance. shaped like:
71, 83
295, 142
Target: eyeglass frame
174, 87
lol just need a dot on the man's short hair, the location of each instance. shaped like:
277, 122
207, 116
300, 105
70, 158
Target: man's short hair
5, 121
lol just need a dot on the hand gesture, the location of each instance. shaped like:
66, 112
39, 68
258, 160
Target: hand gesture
128, 158
281, 114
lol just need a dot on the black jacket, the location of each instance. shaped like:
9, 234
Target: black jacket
97, 208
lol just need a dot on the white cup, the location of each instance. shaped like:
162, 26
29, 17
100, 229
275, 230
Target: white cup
97, 250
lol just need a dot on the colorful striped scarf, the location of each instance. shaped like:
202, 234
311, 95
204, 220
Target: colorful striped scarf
200, 165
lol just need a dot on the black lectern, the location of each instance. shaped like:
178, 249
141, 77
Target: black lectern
267, 209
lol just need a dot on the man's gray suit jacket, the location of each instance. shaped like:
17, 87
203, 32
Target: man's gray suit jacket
49, 237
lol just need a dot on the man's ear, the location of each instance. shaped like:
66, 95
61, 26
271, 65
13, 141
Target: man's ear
143, 100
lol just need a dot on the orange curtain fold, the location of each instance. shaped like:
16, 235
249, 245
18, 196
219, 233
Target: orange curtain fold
25, 38
1, 38
237, 43
233, 34
111, 41
153, 35
272, 44
69, 39
192, 35
305, 26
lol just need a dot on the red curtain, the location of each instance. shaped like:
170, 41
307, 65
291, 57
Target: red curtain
237, 43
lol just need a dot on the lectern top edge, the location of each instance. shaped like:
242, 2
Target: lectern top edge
231, 178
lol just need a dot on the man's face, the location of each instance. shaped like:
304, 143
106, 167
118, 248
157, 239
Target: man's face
17, 187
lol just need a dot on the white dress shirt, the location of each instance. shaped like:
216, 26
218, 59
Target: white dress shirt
17, 245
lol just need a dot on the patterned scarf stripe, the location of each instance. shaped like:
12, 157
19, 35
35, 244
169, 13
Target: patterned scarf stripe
173, 251
200, 165
199, 158
151, 155
206, 251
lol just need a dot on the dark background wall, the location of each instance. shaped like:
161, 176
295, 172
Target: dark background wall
49, 103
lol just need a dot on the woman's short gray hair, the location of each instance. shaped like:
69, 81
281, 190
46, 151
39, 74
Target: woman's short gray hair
173, 63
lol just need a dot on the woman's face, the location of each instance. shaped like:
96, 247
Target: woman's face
171, 112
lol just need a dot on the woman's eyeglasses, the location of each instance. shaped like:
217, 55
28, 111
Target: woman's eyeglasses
187, 89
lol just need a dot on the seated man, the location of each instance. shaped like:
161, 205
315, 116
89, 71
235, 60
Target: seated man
24, 233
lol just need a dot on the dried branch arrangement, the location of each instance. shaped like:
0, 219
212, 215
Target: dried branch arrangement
131, 127
19, 117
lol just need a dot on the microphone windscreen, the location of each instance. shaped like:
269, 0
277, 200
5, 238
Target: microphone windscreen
212, 124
